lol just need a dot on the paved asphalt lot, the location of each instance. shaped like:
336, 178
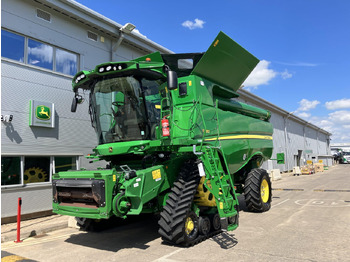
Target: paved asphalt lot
309, 221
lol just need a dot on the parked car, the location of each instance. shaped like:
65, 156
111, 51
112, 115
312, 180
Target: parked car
346, 158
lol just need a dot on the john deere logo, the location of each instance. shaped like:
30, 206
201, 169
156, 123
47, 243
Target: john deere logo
43, 112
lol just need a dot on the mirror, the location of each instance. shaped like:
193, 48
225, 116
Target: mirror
74, 104
172, 80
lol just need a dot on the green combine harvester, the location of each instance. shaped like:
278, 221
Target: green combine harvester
176, 142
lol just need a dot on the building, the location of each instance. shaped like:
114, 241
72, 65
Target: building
298, 139
341, 146
44, 43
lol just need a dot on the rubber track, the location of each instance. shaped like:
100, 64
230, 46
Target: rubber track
252, 191
178, 205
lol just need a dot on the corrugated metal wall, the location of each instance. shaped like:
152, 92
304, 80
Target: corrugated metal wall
297, 140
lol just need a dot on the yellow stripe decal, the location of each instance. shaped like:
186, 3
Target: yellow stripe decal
241, 137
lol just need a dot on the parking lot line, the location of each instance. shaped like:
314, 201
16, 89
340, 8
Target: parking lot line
280, 203
165, 258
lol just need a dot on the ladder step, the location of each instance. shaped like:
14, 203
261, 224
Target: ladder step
232, 227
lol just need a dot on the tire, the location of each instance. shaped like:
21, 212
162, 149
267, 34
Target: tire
178, 224
215, 222
257, 191
204, 225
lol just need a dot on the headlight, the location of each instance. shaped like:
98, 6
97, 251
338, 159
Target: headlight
80, 77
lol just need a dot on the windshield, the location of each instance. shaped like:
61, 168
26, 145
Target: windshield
125, 109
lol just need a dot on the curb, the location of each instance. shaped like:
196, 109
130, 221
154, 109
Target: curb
11, 236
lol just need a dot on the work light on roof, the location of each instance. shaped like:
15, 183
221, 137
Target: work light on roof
127, 28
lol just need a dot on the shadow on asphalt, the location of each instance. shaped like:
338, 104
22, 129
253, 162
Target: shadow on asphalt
134, 232
117, 234
225, 240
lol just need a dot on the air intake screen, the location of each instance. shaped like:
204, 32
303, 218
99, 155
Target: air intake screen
92, 36
43, 15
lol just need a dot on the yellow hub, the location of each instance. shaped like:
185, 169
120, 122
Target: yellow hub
203, 197
189, 225
264, 191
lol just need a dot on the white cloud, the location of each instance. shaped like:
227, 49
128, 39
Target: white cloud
341, 117
303, 114
306, 105
193, 25
327, 125
337, 123
261, 75
304, 64
338, 104
285, 74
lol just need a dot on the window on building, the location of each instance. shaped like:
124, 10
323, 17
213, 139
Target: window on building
10, 170
38, 53
12, 46
36, 169
65, 163
66, 62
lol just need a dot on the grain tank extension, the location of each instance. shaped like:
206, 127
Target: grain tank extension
176, 142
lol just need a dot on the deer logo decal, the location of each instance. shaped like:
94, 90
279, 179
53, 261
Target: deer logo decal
43, 112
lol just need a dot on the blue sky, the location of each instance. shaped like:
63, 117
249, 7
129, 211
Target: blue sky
303, 45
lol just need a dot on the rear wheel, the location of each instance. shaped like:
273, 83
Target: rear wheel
257, 191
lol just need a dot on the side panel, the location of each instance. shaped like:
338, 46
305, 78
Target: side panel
239, 136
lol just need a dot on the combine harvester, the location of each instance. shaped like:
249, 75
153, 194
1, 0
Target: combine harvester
176, 142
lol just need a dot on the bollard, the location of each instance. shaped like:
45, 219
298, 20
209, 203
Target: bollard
19, 221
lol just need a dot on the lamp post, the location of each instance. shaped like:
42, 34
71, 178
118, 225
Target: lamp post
126, 29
